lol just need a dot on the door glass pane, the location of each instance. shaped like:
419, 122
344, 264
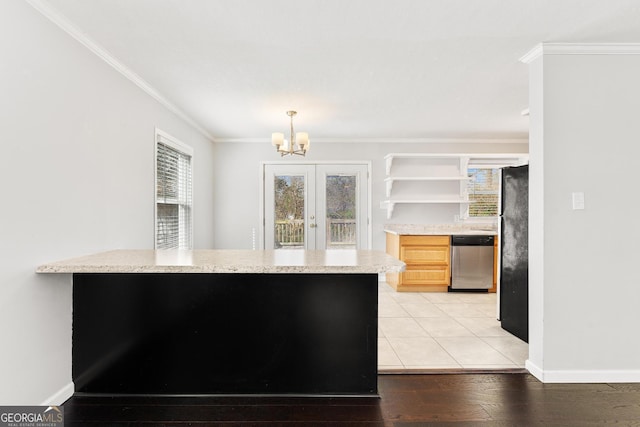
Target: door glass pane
289, 211
341, 212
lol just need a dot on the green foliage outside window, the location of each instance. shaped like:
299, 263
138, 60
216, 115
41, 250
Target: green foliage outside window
483, 190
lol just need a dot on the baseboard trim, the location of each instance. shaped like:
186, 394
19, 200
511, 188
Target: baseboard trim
59, 397
583, 376
595, 376
534, 370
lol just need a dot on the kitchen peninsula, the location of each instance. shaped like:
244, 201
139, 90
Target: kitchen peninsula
281, 322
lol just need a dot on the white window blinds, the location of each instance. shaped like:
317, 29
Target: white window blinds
483, 190
174, 194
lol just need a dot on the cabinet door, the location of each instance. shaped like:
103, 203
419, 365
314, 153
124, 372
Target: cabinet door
425, 250
425, 255
431, 276
428, 260
425, 240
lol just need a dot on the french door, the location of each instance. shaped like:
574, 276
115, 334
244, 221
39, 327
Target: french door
316, 206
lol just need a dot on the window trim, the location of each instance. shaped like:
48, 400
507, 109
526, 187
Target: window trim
174, 143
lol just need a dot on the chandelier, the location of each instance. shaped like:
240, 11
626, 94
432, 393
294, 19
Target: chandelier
297, 144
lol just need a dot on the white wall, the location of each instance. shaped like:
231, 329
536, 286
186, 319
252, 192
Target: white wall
237, 183
584, 280
77, 173
536, 214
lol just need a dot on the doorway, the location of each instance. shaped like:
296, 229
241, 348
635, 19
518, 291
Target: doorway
316, 206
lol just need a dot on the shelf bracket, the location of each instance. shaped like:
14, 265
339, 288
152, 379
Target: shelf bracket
390, 206
464, 165
389, 185
389, 162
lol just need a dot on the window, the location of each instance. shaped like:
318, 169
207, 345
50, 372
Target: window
484, 191
174, 193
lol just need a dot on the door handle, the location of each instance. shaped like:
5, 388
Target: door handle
312, 225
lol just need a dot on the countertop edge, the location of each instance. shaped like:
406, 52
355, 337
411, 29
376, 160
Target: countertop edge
46, 269
440, 232
227, 261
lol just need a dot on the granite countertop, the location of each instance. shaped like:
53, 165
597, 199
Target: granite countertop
229, 261
442, 229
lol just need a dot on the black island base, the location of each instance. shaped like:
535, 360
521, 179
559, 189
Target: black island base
225, 334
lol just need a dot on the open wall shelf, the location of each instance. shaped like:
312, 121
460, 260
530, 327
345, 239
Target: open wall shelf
440, 167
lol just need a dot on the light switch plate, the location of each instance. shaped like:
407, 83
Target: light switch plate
577, 200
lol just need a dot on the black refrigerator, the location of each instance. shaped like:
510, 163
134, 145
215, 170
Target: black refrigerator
514, 265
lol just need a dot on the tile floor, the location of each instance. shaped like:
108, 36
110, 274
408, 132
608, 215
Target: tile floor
443, 331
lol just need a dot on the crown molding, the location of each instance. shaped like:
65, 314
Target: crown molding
63, 23
523, 140
580, 49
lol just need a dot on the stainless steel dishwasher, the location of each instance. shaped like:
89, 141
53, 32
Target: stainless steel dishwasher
471, 262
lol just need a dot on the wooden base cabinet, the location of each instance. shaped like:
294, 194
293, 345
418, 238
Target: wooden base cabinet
427, 259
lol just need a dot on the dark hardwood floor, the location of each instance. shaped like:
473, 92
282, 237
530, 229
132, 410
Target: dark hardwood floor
488, 399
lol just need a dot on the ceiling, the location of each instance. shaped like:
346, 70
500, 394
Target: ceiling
359, 70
